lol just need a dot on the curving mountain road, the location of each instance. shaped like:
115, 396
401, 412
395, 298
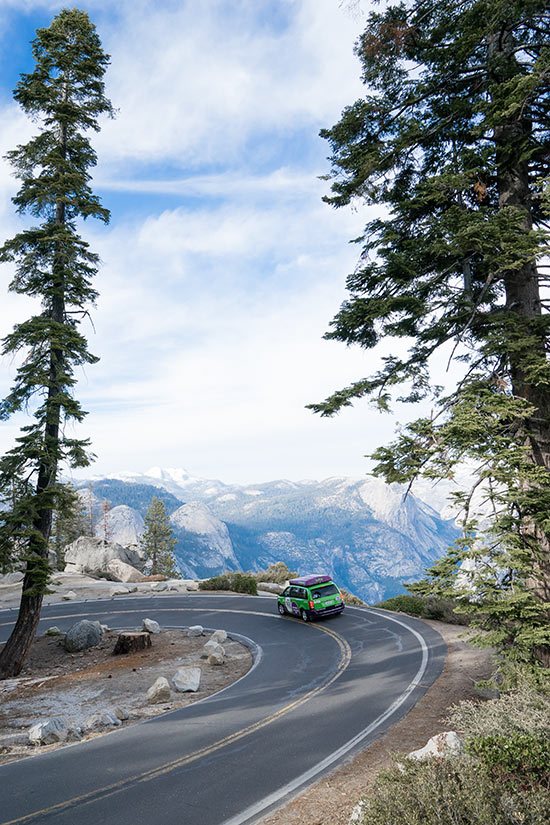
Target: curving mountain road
316, 693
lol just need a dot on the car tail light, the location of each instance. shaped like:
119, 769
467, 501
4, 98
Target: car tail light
311, 605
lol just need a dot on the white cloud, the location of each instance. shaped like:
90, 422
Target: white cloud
196, 81
211, 314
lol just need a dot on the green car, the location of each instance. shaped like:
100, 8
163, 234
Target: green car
310, 597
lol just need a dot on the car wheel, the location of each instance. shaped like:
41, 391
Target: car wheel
281, 609
304, 616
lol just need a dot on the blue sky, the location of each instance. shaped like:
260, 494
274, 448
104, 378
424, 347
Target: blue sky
221, 267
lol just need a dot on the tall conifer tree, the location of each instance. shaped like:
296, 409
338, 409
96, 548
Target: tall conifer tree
452, 143
158, 540
65, 96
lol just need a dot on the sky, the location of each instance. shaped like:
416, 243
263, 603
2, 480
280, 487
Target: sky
221, 266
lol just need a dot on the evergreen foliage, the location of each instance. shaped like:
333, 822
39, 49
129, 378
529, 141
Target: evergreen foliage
277, 572
235, 582
133, 495
70, 521
451, 144
158, 540
64, 95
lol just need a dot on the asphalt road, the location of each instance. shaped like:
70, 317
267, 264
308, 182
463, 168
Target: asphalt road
317, 692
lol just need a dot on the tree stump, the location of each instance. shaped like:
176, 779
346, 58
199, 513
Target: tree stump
131, 643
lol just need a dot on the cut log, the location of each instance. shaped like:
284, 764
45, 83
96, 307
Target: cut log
131, 643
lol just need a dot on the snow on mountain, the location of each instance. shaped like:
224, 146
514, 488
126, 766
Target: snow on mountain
122, 525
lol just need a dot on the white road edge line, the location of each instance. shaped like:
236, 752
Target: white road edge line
304, 778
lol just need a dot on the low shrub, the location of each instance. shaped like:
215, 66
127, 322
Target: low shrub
425, 607
450, 791
236, 582
518, 711
523, 756
413, 605
443, 610
278, 573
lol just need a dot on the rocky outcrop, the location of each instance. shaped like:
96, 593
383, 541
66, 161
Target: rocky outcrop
209, 548
92, 556
121, 525
82, 635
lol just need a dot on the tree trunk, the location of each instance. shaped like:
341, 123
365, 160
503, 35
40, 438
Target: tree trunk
523, 300
18, 645
131, 643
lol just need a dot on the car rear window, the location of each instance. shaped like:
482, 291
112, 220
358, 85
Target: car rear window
321, 592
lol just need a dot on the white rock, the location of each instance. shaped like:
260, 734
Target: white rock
443, 744
10, 740
270, 587
122, 714
92, 555
159, 587
118, 591
177, 585
122, 572
357, 813
48, 731
101, 719
69, 596
190, 584
212, 647
159, 691
151, 626
121, 524
187, 679
209, 533
53, 631
219, 636
195, 630
12, 578
216, 657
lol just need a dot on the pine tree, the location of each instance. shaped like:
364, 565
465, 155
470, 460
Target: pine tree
451, 144
69, 523
158, 540
65, 95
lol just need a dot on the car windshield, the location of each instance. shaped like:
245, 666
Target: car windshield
329, 590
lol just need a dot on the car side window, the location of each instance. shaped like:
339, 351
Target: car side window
286, 591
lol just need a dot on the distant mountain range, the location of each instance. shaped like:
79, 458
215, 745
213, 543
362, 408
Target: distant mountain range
367, 534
